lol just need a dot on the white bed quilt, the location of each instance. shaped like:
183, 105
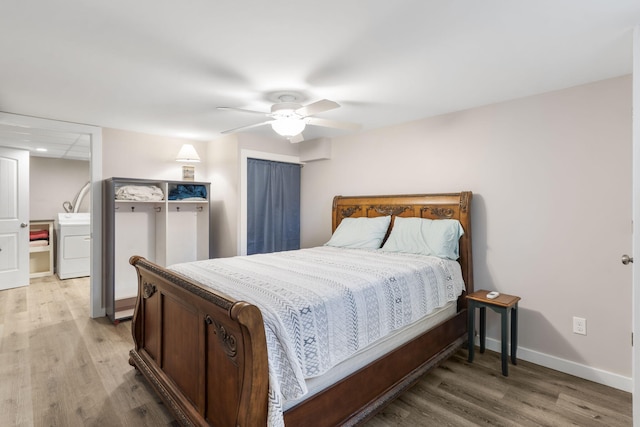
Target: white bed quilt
323, 304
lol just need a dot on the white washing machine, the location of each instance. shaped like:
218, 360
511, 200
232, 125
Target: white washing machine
74, 244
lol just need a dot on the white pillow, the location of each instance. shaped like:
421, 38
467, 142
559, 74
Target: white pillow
436, 237
361, 232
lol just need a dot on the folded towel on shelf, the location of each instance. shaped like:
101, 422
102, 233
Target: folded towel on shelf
140, 193
39, 235
189, 191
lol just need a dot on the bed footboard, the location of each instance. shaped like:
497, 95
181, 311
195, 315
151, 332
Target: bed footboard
203, 352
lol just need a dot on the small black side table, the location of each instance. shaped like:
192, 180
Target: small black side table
503, 304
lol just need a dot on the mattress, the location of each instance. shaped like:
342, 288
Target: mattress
375, 351
322, 305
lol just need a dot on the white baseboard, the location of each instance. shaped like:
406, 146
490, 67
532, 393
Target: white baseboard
567, 366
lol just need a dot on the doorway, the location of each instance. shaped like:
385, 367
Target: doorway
245, 155
273, 206
636, 230
26, 125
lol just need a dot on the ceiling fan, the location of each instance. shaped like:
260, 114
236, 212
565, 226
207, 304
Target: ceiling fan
289, 119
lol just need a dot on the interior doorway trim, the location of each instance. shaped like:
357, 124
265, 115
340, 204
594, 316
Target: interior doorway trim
96, 306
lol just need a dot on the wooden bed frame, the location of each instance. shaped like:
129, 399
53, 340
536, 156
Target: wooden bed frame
205, 353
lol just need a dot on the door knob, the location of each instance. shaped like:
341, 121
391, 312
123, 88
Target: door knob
626, 259
24, 225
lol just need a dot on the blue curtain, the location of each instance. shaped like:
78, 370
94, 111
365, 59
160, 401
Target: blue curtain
273, 206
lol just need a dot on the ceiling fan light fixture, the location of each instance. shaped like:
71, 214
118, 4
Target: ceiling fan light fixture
288, 127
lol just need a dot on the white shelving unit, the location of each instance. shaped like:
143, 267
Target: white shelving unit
41, 257
165, 232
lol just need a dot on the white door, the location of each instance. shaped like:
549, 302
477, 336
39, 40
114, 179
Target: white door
14, 218
636, 226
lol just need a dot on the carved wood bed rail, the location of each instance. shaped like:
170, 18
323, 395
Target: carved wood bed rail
205, 353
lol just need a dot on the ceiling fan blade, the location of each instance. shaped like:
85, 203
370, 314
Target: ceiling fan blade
332, 123
242, 110
317, 107
296, 138
248, 126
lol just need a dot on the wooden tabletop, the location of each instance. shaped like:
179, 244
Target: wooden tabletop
503, 300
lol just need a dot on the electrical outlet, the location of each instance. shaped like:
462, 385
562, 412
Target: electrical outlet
579, 326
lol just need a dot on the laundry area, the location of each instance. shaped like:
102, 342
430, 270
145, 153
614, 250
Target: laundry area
60, 204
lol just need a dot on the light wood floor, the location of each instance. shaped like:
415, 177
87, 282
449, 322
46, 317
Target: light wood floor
58, 367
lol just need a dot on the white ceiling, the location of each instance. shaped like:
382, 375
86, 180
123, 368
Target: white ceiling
46, 142
162, 67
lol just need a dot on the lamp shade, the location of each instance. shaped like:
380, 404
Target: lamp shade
288, 126
188, 154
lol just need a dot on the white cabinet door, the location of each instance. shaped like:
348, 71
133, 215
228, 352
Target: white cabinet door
14, 218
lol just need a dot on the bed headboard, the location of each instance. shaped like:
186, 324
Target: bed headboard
432, 206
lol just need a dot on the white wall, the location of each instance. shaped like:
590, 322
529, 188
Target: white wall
54, 181
551, 176
128, 154
223, 160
